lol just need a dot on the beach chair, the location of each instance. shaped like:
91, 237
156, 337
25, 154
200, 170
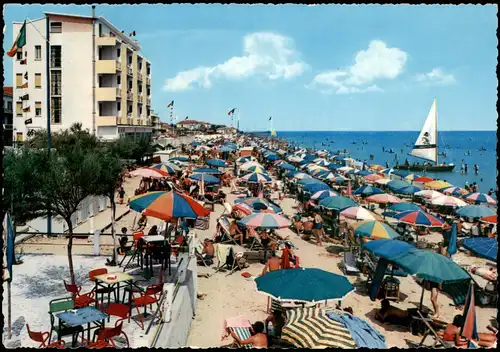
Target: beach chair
222, 252
43, 339
134, 253
349, 264
61, 305
147, 298
105, 337
80, 299
241, 327
198, 247
224, 234
438, 341
243, 334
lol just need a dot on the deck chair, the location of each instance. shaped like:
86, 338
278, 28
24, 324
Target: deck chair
222, 252
228, 209
243, 333
438, 341
198, 247
224, 235
349, 264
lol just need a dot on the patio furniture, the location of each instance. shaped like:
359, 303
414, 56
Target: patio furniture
44, 339
349, 264
81, 299
157, 247
62, 305
112, 282
147, 298
119, 310
82, 316
101, 290
105, 337
223, 232
438, 341
134, 253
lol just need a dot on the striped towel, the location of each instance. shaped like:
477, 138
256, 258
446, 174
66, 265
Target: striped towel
239, 322
243, 334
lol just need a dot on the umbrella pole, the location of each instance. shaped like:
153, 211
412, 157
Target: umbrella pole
422, 296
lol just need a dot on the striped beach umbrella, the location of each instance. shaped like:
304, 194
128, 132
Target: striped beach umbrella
260, 204
216, 163
376, 167
448, 201
184, 159
339, 179
326, 176
311, 328
167, 205
316, 187
256, 177
207, 171
169, 168
437, 184
287, 166
358, 213
408, 190
322, 162
265, 221
492, 219
243, 208
374, 229
382, 181
397, 184
480, 198
454, 191
428, 194
323, 194
345, 169
249, 164
368, 191
412, 177
149, 172
475, 211
372, 177
337, 203
383, 198
257, 169
422, 179
419, 218
206, 178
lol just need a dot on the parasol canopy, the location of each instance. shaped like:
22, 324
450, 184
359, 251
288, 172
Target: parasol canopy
265, 221
383, 198
208, 179
374, 229
480, 198
149, 172
419, 218
337, 203
256, 177
484, 247
475, 211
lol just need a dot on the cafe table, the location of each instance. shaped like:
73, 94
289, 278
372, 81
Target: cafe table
79, 317
154, 240
113, 280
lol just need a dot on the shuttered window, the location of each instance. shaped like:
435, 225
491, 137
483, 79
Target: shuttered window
19, 108
38, 80
38, 108
19, 80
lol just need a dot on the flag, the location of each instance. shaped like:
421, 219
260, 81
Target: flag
270, 118
132, 34
171, 104
25, 97
8, 240
469, 329
26, 76
25, 85
28, 121
20, 41
22, 62
26, 109
187, 117
231, 112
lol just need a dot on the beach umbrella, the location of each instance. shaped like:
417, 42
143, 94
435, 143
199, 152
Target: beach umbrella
423, 179
448, 201
243, 159
387, 248
323, 194
452, 247
374, 229
195, 143
334, 166
419, 218
206, 178
180, 158
397, 184
167, 205
260, 204
387, 171
245, 209
484, 247
358, 213
249, 164
404, 206
257, 169
169, 168
454, 191
340, 179
337, 203
437, 184
345, 168
177, 162
216, 163
469, 329
428, 194
225, 149
363, 172
322, 162
383, 198
407, 190
475, 211
255, 177
376, 167
302, 176
272, 157
294, 159
287, 166
368, 191
149, 172
372, 177
203, 148
317, 171
265, 221
480, 198
303, 284
316, 187
308, 181
413, 177
382, 181
492, 219
207, 171
327, 175
312, 328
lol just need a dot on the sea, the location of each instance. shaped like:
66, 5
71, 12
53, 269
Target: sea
473, 147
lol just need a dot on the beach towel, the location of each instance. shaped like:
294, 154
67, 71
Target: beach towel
234, 322
363, 334
487, 274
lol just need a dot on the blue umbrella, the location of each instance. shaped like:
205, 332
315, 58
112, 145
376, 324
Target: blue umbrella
484, 247
316, 187
180, 158
475, 211
225, 150
387, 248
307, 181
404, 206
287, 166
368, 191
303, 162
452, 246
337, 203
334, 166
216, 163
306, 285
272, 157
397, 184
363, 173
207, 171
207, 178
309, 157
408, 190
195, 143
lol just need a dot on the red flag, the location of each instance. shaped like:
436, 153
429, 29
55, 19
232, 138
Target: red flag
231, 112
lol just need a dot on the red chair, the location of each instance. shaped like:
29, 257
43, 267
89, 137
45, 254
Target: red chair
43, 338
118, 310
152, 295
101, 290
81, 299
105, 337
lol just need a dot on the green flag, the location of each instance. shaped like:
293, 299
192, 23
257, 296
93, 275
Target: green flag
20, 41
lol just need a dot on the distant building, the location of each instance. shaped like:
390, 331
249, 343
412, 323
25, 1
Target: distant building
227, 130
193, 125
8, 124
121, 98
155, 121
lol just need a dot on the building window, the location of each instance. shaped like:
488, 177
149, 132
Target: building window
129, 84
38, 52
19, 137
118, 79
149, 91
55, 27
118, 106
9, 105
148, 70
100, 30
38, 108
19, 55
19, 108
38, 80
140, 109
19, 80
55, 83
55, 110
118, 53
55, 56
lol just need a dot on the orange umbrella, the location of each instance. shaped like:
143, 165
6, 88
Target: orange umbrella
492, 219
423, 179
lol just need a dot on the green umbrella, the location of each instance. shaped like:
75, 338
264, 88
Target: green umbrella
337, 203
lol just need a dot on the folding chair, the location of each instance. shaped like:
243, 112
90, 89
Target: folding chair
438, 341
243, 334
228, 209
135, 252
224, 233
222, 253
349, 264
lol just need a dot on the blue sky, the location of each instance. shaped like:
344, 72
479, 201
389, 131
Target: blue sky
324, 67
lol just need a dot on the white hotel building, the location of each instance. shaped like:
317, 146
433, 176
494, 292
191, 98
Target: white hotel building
95, 73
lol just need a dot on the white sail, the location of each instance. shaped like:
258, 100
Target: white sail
426, 144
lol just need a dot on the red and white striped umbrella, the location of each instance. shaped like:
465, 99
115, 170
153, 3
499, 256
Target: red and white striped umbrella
358, 213
448, 201
372, 177
480, 198
383, 199
149, 172
428, 194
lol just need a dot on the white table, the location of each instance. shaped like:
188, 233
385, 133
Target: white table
153, 238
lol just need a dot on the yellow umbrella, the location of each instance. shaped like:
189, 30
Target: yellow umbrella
374, 230
437, 184
376, 167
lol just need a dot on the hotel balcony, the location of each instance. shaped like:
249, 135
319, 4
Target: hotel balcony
107, 120
140, 98
108, 94
148, 101
148, 81
118, 66
105, 41
129, 120
106, 66
130, 96
129, 70
139, 76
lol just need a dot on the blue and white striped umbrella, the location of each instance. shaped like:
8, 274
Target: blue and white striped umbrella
255, 177
216, 163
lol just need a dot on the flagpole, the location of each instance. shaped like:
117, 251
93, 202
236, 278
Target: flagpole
238, 128
49, 138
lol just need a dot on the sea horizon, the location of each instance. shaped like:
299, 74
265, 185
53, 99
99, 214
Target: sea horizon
361, 131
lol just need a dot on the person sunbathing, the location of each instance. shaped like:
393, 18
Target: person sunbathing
393, 315
235, 232
142, 223
208, 249
452, 334
258, 339
273, 263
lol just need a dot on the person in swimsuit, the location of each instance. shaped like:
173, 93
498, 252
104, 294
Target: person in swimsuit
258, 339
273, 263
318, 228
452, 334
389, 314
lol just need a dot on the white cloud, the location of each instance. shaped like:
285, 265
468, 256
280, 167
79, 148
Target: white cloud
267, 54
436, 76
377, 62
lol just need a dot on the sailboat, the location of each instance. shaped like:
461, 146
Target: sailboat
426, 147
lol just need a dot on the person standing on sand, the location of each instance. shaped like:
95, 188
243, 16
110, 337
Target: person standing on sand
434, 288
318, 228
121, 193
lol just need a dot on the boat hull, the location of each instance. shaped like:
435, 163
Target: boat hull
428, 168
